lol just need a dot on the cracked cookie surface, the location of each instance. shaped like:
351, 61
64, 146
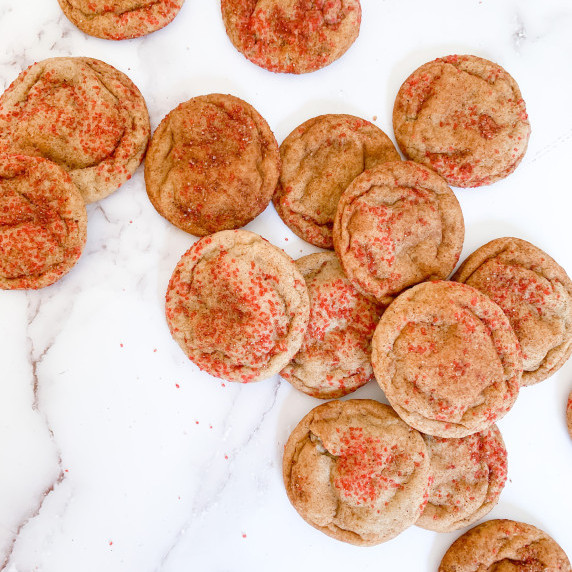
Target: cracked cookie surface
213, 164
81, 113
464, 117
335, 357
292, 36
237, 306
320, 158
505, 546
43, 222
536, 295
355, 471
469, 475
447, 359
120, 19
396, 225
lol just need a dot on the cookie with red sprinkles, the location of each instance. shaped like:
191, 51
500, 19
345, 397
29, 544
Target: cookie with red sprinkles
396, 225
320, 158
335, 357
447, 359
43, 222
356, 472
213, 164
469, 475
120, 19
534, 292
237, 306
464, 117
505, 545
292, 36
81, 113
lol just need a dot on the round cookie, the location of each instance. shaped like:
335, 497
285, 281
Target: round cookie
320, 158
397, 225
335, 357
569, 414
447, 359
464, 117
120, 19
43, 222
237, 306
469, 475
536, 295
356, 472
81, 113
293, 36
505, 546
213, 164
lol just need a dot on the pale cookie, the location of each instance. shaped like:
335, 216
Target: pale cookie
120, 19
536, 295
43, 222
463, 116
292, 36
469, 475
81, 113
505, 546
397, 224
237, 306
320, 158
213, 164
447, 359
356, 472
335, 357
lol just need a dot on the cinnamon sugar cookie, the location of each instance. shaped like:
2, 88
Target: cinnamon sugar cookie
447, 359
213, 164
81, 113
356, 472
43, 222
504, 546
536, 295
237, 306
120, 19
320, 158
335, 357
463, 116
397, 225
292, 36
469, 475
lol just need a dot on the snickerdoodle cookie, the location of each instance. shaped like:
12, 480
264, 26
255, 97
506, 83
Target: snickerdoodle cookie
447, 359
120, 19
213, 164
43, 222
81, 113
469, 475
355, 471
463, 116
292, 36
237, 306
320, 158
397, 224
335, 357
505, 546
536, 295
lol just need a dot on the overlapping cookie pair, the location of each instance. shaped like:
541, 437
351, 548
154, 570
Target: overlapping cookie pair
72, 131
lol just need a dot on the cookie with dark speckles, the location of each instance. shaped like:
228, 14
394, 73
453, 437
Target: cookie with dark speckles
505, 546
356, 472
212, 165
447, 359
534, 292
320, 158
464, 117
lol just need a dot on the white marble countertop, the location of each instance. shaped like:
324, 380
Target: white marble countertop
116, 453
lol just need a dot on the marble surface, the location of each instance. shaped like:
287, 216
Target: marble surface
116, 453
